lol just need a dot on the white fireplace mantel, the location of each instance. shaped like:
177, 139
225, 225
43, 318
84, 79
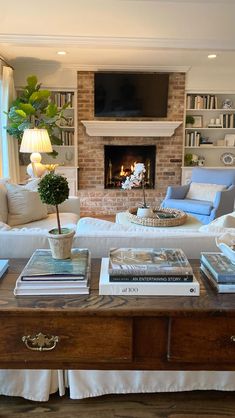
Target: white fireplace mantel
130, 128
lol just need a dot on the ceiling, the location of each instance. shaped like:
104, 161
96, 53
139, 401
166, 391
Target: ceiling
121, 33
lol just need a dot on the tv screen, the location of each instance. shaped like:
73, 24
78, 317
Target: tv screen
131, 94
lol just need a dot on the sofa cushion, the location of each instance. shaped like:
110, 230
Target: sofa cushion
225, 223
23, 205
3, 203
189, 205
4, 227
68, 220
204, 191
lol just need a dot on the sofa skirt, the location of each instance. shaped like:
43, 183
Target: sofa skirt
35, 385
84, 384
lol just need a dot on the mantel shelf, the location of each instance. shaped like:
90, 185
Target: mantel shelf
130, 128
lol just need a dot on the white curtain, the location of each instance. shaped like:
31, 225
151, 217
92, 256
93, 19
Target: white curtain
9, 155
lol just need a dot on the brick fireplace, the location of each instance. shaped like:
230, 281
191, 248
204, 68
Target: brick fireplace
94, 197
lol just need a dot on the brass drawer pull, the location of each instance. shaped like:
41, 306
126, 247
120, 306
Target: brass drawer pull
40, 342
232, 338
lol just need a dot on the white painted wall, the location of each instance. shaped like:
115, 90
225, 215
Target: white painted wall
51, 75
217, 79
198, 79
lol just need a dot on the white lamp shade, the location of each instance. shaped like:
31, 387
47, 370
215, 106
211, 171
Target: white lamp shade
35, 140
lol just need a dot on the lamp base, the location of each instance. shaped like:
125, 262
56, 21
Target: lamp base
35, 169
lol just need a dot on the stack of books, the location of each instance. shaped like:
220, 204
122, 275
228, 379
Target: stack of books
44, 275
147, 271
219, 271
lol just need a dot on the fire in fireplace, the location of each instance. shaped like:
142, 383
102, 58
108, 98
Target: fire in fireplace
119, 163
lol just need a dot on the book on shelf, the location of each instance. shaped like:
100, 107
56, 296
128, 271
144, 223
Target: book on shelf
41, 266
4, 264
106, 287
222, 269
149, 262
219, 287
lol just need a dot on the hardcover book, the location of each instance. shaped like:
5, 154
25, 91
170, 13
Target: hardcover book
149, 262
220, 266
42, 267
219, 287
106, 287
4, 264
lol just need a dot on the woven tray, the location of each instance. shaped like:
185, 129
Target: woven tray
161, 217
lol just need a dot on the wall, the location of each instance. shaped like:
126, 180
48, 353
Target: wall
94, 198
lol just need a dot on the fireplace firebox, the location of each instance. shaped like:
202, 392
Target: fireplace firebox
119, 163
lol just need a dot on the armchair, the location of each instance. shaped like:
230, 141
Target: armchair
210, 194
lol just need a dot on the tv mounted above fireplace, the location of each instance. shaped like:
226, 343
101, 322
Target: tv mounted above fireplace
123, 94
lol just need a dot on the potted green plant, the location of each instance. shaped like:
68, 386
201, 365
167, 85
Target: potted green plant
34, 108
189, 121
53, 190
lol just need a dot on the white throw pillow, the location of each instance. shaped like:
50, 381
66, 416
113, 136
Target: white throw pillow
24, 205
222, 224
204, 191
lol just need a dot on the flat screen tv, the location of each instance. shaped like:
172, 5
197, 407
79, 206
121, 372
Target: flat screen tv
121, 94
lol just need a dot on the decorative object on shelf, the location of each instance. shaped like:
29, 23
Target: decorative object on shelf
35, 141
50, 168
227, 104
229, 140
34, 108
197, 121
160, 217
190, 159
201, 161
54, 190
228, 158
189, 121
137, 179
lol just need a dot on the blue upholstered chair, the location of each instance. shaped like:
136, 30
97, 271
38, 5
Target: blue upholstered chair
210, 194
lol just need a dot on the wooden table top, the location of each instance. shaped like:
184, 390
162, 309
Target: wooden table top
208, 303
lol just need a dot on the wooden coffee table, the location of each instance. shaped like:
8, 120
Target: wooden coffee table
116, 332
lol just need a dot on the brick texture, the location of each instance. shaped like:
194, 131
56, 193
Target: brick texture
93, 197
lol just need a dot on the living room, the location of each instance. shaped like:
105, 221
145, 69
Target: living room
65, 47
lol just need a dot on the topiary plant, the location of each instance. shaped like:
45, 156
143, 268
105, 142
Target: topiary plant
53, 190
34, 108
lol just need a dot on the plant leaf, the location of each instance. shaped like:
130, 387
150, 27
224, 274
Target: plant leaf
21, 113
27, 108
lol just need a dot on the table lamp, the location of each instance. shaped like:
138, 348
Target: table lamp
35, 141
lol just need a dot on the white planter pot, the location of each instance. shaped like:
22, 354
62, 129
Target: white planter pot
144, 212
61, 244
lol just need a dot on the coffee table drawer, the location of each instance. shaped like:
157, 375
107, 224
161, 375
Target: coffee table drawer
202, 340
47, 338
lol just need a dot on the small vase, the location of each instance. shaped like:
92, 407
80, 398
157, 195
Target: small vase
144, 212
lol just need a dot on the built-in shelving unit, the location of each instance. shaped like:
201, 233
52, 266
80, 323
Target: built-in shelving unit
214, 123
67, 130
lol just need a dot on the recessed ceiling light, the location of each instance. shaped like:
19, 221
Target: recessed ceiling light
61, 53
212, 56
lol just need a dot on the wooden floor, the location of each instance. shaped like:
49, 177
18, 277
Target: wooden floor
197, 404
